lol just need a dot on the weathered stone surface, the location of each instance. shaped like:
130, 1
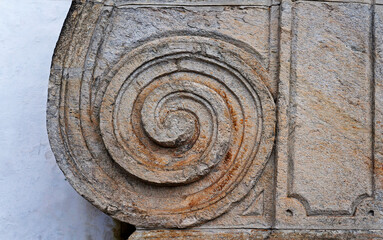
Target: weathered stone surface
163, 115
258, 234
162, 125
330, 113
325, 147
130, 3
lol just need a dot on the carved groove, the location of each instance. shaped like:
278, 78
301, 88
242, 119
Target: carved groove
256, 207
171, 136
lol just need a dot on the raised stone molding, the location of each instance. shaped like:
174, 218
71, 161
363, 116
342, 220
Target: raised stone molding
122, 3
254, 234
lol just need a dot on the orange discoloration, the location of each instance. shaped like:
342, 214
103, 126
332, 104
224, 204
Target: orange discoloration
151, 184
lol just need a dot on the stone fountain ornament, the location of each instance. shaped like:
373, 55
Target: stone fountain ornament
217, 119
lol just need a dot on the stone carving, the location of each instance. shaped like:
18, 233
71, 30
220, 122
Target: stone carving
326, 137
256, 207
341, 131
169, 122
175, 109
162, 114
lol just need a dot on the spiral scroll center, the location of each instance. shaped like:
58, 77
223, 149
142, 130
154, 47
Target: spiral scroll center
178, 128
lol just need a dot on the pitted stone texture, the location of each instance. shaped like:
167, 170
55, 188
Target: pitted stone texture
256, 210
237, 234
155, 127
247, 26
119, 3
378, 117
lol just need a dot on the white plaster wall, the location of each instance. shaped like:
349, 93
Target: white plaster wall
35, 200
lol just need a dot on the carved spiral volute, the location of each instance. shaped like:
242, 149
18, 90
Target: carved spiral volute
182, 128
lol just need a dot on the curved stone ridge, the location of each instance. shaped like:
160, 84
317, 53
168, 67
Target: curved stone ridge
179, 129
170, 121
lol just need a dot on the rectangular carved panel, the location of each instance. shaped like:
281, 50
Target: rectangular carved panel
330, 103
326, 111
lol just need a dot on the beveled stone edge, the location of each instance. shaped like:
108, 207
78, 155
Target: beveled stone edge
212, 3
247, 234
338, 1
370, 2
183, 3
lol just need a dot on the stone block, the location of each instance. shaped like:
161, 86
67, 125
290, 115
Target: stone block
229, 119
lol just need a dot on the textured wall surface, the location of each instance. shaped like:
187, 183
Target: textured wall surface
35, 200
